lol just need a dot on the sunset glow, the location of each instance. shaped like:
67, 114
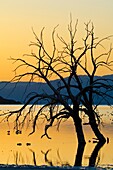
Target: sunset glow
18, 17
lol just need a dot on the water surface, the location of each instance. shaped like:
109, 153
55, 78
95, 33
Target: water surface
61, 150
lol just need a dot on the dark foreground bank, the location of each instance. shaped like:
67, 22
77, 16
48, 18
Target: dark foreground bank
28, 167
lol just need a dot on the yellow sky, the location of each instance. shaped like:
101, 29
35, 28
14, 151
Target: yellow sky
17, 17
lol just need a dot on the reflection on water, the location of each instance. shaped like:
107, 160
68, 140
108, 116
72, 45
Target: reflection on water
16, 147
94, 155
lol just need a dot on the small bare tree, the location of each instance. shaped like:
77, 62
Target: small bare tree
70, 92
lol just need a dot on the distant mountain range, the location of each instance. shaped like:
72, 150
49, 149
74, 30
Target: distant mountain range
16, 92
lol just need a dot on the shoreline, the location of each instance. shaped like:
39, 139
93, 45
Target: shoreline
44, 167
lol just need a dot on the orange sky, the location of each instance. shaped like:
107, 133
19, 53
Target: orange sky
17, 17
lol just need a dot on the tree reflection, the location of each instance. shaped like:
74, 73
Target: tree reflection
47, 160
93, 157
58, 161
18, 158
34, 157
79, 155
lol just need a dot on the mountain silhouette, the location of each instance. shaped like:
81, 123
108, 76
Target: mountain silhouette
20, 91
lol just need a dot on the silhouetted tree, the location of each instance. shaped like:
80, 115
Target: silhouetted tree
66, 65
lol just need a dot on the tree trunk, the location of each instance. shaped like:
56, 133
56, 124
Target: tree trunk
95, 128
94, 125
79, 130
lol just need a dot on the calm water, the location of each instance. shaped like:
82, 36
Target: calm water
21, 149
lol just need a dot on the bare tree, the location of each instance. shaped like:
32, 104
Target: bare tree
70, 92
